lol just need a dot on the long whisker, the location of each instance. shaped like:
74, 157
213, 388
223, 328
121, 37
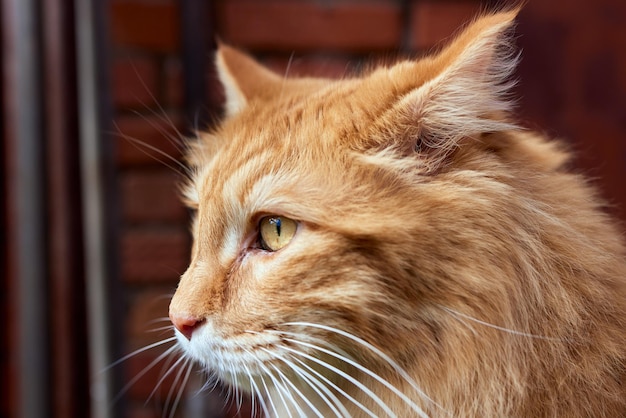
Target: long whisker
336, 388
172, 139
144, 371
327, 396
158, 320
237, 393
283, 393
141, 350
284, 81
364, 370
189, 366
165, 117
165, 328
178, 166
297, 391
319, 376
376, 351
311, 339
210, 384
170, 369
277, 385
253, 386
229, 392
170, 392
269, 396
487, 324
256, 393
346, 376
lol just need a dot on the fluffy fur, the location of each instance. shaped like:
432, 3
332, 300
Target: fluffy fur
446, 263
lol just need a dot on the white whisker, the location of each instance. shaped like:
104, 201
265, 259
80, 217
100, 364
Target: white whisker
164, 116
346, 376
210, 384
309, 338
318, 387
158, 320
281, 390
176, 141
143, 372
141, 350
269, 396
284, 82
295, 389
487, 324
236, 392
336, 388
165, 328
229, 389
170, 392
256, 394
163, 377
140, 145
376, 351
189, 366
365, 370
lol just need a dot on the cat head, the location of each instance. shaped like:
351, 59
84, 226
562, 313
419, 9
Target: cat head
350, 210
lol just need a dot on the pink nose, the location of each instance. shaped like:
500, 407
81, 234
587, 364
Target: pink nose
186, 324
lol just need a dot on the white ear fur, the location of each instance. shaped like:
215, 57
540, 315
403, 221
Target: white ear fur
470, 96
235, 99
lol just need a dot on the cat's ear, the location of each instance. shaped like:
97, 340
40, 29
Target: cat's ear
463, 90
243, 79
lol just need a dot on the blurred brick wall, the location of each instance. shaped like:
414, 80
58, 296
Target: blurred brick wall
573, 84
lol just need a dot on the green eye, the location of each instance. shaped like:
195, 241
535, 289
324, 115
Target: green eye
276, 232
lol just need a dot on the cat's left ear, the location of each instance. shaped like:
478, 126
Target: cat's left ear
463, 90
243, 79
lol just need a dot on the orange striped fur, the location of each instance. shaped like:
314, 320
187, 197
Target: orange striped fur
445, 262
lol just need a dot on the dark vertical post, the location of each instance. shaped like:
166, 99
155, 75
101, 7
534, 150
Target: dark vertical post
5, 312
197, 45
98, 202
69, 362
26, 211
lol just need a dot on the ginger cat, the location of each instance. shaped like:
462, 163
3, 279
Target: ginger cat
394, 245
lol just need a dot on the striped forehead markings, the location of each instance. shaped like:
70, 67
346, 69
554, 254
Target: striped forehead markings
242, 195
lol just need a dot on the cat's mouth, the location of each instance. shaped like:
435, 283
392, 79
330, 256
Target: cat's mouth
230, 358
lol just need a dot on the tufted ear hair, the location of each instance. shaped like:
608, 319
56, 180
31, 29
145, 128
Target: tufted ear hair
459, 93
243, 79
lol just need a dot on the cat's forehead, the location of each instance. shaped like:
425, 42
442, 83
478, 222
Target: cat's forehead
300, 121
256, 170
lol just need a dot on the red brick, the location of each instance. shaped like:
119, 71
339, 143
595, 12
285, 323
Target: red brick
432, 22
151, 26
152, 196
135, 82
173, 72
309, 25
153, 139
154, 255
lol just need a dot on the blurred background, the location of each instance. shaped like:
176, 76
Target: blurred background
96, 96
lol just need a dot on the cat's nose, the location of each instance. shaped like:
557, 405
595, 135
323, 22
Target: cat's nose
186, 324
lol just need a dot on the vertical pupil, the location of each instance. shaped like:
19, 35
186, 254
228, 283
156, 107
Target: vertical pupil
276, 222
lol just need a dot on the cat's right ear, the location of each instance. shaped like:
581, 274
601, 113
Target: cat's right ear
243, 79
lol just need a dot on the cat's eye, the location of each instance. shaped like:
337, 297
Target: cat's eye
275, 232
